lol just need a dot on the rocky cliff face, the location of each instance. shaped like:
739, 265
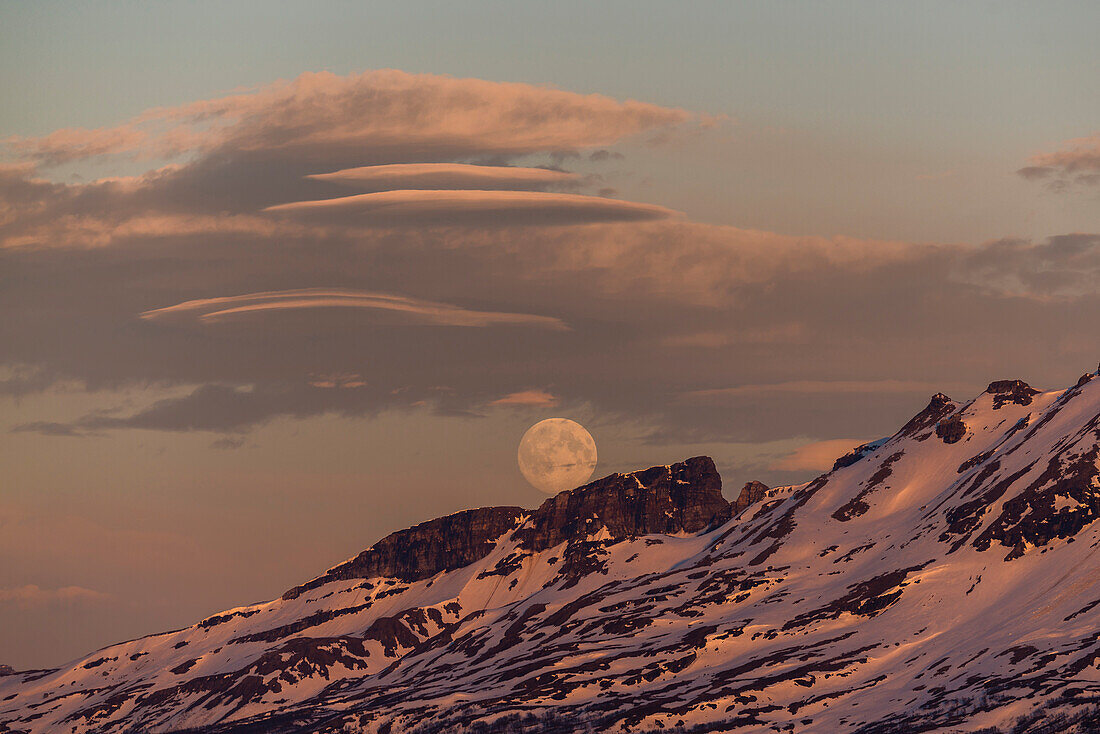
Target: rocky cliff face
684, 497
940, 579
426, 549
751, 493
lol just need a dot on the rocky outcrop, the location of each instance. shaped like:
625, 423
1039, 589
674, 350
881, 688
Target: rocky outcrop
751, 493
684, 497
424, 550
938, 407
1017, 392
7, 670
857, 454
951, 430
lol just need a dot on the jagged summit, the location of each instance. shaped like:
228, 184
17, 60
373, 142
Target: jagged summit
940, 579
426, 549
683, 497
751, 493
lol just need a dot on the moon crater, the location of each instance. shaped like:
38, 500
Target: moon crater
557, 454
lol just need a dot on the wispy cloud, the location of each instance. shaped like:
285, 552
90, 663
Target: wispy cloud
397, 115
527, 399
211, 310
816, 387
1077, 162
446, 176
31, 596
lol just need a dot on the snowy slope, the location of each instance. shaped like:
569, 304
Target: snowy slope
946, 578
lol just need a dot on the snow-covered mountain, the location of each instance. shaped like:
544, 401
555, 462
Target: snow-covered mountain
944, 579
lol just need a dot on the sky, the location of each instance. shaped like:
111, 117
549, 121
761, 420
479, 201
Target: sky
277, 279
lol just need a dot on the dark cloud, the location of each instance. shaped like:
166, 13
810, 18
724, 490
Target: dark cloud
604, 155
228, 443
49, 428
1065, 266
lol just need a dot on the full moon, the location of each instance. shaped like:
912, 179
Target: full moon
557, 454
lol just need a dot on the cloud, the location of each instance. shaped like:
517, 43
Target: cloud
49, 428
31, 596
218, 163
791, 333
346, 381
385, 114
815, 387
486, 208
228, 443
818, 456
527, 398
1065, 267
1077, 162
230, 289
446, 176
213, 310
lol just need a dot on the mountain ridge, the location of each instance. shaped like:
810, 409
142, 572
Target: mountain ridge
942, 579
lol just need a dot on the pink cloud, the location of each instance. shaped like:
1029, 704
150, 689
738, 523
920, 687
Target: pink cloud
447, 176
318, 114
342, 381
817, 456
84, 231
211, 310
1078, 162
32, 595
527, 398
419, 207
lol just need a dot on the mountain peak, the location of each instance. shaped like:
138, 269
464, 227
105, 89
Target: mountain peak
1011, 391
939, 407
751, 493
682, 497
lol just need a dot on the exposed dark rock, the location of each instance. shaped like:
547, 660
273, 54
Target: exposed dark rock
867, 598
751, 493
973, 461
1017, 392
1030, 518
684, 497
856, 454
7, 670
424, 550
1087, 377
938, 407
951, 430
856, 505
